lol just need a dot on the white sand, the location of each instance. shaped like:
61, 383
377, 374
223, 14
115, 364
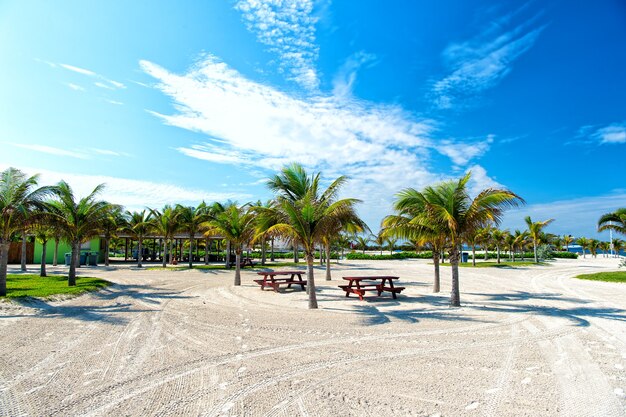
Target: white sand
527, 342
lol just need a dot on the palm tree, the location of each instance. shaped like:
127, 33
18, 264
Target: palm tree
411, 206
483, 236
615, 221
19, 196
189, 220
363, 241
584, 244
534, 231
238, 225
498, 238
593, 247
567, 240
391, 243
520, 242
618, 245
138, 224
349, 221
380, 240
164, 223
264, 223
509, 241
453, 211
79, 220
472, 239
111, 224
605, 247
306, 213
43, 233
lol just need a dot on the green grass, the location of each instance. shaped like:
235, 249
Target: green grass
619, 276
222, 267
483, 264
27, 285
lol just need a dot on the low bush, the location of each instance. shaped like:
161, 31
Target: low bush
396, 255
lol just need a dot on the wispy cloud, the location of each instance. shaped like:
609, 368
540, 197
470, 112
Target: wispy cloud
287, 27
103, 82
462, 152
133, 194
117, 103
611, 134
72, 153
382, 147
482, 62
78, 70
75, 87
344, 79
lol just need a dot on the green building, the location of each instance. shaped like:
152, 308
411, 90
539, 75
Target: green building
93, 246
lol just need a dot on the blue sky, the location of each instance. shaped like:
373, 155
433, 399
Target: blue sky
183, 101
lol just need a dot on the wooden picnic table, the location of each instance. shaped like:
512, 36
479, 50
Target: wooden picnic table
359, 285
270, 280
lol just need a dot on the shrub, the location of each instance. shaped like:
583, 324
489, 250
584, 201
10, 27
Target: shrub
565, 255
396, 255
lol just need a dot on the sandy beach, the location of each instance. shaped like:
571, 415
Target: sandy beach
530, 341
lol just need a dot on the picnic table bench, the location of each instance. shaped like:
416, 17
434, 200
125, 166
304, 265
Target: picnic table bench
247, 262
270, 280
357, 286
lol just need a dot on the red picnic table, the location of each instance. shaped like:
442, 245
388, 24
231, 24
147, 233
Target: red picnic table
357, 286
270, 280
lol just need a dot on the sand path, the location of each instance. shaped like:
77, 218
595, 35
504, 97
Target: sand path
529, 341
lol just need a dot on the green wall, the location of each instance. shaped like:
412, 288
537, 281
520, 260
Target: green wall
94, 246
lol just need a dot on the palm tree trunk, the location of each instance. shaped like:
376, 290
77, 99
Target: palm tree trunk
498, 252
56, 252
473, 255
227, 262
71, 278
165, 253
328, 277
486, 253
272, 251
42, 268
170, 251
4, 260
107, 242
296, 254
23, 260
535, 250
190, 250
455, 294
311, 280
437, 281
207, 245
263, 251
139, 253
237, 267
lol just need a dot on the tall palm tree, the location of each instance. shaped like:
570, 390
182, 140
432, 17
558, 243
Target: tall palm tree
534, 231
306, 213
380, 240
605, 247
19, 196
567, 240
363, 241
138, 224
79, 220
618, 245
111, 224
391, 244
615, 221
412, 208
483, 237
509, 241
498, 238
472, 240
349, 221
520, 242
593, 247
164, 224
584, 244
189, 220
450, 207
238, 225
43, 233
263, 224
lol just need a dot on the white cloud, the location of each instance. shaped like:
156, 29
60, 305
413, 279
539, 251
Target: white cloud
117, 103
109, 152
103, 85
383, 148
287, 27
344, 80
481, 63
52, 150
78, 70
75, 87
612, 134
577, 216
133, 194
462, 152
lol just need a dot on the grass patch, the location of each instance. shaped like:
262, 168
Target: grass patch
30, 285
498, 265
619, 276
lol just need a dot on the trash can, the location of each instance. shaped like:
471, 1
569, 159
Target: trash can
464, 256
83, 259
68, 258
93, 259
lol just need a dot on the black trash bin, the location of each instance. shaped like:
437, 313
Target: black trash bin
464, 256
83, 258
93, 259
68, 258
